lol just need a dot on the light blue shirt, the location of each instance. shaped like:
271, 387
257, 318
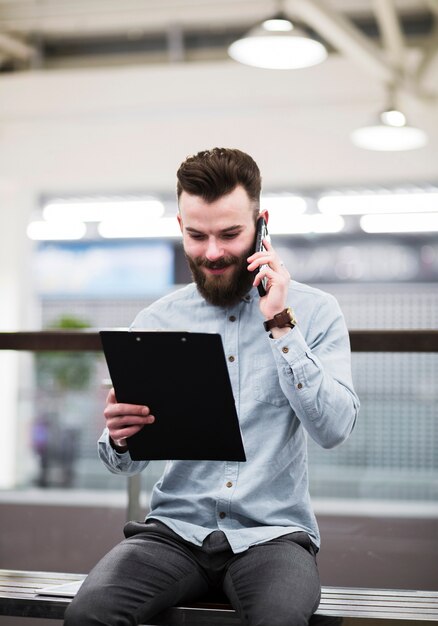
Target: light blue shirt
284, 389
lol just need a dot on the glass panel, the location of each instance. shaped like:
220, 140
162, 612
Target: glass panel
60, 421
391, 454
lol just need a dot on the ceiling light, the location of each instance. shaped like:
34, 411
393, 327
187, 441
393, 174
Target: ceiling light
96, 210
392, 117
56, 231
359, 204
390, 132
400, 223
277, 44
283, 203
123, 229
283, 210
304, 224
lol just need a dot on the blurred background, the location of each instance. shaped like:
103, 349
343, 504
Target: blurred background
100, 101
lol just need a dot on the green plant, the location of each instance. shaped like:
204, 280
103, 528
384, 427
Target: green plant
65, 370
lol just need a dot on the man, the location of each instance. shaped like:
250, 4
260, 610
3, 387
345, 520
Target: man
247, 528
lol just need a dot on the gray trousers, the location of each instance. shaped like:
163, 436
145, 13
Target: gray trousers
275, 583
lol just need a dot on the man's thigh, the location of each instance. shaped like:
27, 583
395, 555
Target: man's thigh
143, 575
275, 583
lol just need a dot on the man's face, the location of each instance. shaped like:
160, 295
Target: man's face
218, 237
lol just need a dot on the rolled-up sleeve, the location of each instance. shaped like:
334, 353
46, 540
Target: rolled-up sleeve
315, 375
116, 462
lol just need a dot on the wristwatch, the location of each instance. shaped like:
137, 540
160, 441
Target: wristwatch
281, 320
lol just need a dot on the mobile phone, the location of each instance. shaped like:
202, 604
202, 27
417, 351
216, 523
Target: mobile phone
261, 233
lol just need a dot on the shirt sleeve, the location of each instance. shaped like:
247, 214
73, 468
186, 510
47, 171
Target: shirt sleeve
315, 375
116, 462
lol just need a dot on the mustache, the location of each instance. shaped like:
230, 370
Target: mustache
219, 264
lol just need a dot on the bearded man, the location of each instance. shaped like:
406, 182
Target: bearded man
246, 528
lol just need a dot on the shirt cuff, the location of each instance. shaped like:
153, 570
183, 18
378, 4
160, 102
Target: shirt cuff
291, 347
105, 440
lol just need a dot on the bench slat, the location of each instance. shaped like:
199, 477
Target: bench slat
394, 603
380, 593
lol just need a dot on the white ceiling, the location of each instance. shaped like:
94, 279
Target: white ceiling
98, 16
126, 121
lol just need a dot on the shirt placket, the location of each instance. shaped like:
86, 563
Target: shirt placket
230, 472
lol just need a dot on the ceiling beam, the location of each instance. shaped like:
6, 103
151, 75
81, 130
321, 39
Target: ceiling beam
429, 58
349, 40
93, 17
343, 36
392, 34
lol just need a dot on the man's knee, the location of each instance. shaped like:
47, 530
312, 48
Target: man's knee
85, 611
76, 614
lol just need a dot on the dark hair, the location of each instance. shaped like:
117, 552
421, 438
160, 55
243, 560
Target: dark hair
214, 173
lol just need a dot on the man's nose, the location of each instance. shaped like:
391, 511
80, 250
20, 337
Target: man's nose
214, 250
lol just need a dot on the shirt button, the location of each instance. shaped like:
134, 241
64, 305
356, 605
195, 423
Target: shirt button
285, 350
232, 318
229, 484
231, 359
300, 386
222, 515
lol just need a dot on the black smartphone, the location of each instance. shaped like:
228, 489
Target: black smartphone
261, 233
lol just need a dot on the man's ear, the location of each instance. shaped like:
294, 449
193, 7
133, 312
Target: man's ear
180, 222
265, 215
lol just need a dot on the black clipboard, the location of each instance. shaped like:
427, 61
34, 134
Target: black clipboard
183, 377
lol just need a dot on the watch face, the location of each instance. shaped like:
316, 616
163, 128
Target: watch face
292, 319
291, 316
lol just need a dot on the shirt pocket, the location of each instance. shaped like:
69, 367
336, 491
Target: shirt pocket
266, 384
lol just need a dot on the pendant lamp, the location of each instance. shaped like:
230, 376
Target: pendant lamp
277, 43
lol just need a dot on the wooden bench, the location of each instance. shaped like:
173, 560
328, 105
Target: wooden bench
19, 597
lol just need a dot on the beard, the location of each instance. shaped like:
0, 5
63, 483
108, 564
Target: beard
222, 289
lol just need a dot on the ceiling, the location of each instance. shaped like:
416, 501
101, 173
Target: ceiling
67, 33
152, 80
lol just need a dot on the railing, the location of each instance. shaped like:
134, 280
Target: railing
89, 341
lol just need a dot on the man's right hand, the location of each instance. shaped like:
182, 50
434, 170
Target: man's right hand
124, 420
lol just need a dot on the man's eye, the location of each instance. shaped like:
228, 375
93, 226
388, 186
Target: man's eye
230, 235
196, 237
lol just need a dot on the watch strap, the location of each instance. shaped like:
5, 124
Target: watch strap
283, 319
